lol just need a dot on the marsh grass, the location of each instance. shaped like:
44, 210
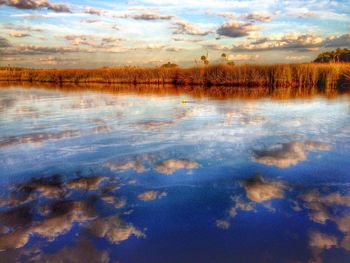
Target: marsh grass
347, 75
320, 75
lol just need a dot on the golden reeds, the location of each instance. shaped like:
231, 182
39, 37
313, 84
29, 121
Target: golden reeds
347, 75
281, 75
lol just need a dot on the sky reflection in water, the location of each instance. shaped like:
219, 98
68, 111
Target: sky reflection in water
90, 176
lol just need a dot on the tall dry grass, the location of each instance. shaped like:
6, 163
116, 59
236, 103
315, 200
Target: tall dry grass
347, 75
280, 75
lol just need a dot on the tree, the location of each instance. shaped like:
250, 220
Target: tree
230, 63
169, 65
205, 60
223, 58
339, 55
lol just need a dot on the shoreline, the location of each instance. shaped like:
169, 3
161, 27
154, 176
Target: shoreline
213, 92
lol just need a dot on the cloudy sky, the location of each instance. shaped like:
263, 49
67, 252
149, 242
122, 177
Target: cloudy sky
86, 33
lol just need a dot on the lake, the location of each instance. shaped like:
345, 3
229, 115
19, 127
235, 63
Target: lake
166, 174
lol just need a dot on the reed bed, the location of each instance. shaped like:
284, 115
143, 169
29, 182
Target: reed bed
327, 76
347, 75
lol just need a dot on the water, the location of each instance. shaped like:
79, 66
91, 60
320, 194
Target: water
99, 176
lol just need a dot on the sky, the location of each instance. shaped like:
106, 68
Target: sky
148, 33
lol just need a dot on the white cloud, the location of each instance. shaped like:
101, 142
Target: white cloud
36, 4
18, 34
257, 17
187, 28
236, 29
243, 57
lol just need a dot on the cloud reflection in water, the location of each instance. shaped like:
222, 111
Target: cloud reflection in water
113, 149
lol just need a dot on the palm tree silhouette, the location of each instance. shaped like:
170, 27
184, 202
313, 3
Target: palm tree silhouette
223, 58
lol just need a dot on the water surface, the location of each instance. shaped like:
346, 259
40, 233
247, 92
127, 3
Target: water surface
159, 174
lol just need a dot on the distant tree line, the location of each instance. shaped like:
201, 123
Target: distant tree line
169, 65
205, 61
338, 55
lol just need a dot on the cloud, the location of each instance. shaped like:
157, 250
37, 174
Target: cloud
131, 165
31, 16
102, 129
242, 57
293, 42
297, 58
235, 29
16, 239
321, 208
51, 60
228, 15
170, 166
116, 202
287, 154
114, 229
239, 204
35, 4
59, 218
328, 13
62, 217
82, 251
146, 16
256, 17
6, 103
91, 21
152, 124
151, 195
86, 183
343, 224
28, 213
322, 241
186, 28
19, 34
307, 42
190, 40
109, 189
50, 187
246, 119
15, 218
338, 41
27, 49
93, 11
176, 49
151, 16
150, 47
115, 27
252, 17
259, 189
93, 41
223, 224
318, 242
306, 14
4, 42
15, 27
37, 137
